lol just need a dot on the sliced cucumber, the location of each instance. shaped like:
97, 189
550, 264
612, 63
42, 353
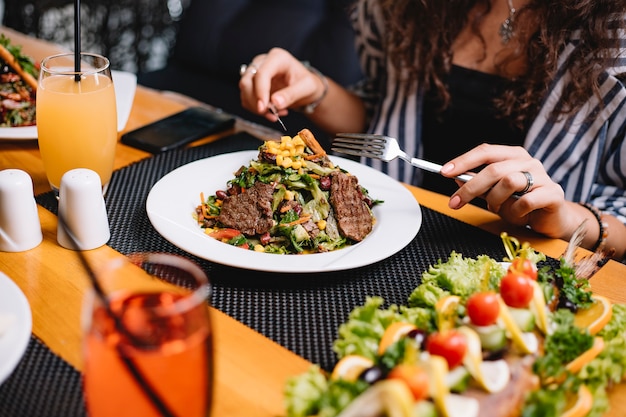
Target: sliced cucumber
524, 318
425, 408
458, 379
492, 337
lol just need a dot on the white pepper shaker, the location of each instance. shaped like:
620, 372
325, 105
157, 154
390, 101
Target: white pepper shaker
83, 222
20, 228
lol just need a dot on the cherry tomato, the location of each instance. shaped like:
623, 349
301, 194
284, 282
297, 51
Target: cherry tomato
524, 266
483, 308
414, 377
516, 290
451, 345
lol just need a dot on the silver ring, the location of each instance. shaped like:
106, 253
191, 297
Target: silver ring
529, 183
245, 67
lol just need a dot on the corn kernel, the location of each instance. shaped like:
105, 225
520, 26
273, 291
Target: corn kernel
296, 164
289, 195
297, 141
284, 139
259, 248
321, 224
279, 160
287, 162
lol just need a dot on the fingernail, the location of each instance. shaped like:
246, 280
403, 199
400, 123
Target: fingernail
447, 168
455, 202
260, 106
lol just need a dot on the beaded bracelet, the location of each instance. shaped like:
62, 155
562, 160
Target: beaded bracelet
604, 227
310, 108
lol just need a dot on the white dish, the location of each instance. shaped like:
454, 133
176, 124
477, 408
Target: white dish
125, 84
173, 199
14, 341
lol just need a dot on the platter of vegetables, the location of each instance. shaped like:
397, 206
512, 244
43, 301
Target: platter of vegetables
477, 337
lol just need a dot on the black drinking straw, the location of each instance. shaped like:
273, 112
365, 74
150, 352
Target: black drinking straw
129, 363
77, 40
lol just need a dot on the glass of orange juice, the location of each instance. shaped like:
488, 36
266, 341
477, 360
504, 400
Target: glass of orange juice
76, 116
148, 339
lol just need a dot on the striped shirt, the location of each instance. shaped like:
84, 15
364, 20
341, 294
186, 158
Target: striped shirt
586, 156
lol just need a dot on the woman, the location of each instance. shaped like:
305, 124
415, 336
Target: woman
525, 93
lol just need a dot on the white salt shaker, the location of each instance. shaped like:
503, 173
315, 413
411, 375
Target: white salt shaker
83, 222
20, 228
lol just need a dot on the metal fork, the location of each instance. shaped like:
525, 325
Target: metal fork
384, 148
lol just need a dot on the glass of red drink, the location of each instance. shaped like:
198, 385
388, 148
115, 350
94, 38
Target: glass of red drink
148, 341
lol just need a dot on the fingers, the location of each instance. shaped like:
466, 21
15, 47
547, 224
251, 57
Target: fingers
252, 91
515, 186
483, 154
275, 77
509, 172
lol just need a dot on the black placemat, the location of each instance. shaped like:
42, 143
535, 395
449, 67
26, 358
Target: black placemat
42, 384
299, 311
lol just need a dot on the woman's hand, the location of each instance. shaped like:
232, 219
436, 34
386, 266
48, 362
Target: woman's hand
516, 187
278, 78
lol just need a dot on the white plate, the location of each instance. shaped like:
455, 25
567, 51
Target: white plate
14, 341
173, 199
125, 84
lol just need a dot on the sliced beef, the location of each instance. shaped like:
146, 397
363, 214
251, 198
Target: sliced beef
354, 219
249, 212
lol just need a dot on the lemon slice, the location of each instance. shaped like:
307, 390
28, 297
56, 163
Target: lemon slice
539, 308
595, 317
582, 404
446, 308
526, 342
350, 367
391, 398
448, 405
493, 376
393, 333
437, 368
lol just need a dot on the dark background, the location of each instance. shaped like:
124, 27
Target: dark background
136, 35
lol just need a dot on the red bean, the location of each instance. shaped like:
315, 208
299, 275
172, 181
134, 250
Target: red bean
265, 238
325, 183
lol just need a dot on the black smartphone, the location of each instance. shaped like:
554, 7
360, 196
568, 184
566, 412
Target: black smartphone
178, 129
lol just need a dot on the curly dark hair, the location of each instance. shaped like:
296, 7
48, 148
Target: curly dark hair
415, 35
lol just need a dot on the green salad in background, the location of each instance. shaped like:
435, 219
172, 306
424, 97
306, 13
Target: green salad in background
439, 355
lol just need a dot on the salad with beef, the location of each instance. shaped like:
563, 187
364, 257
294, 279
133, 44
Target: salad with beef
290, 200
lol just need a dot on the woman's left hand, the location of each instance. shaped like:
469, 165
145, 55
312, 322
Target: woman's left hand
516, 186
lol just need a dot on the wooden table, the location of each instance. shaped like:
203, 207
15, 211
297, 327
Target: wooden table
249, 380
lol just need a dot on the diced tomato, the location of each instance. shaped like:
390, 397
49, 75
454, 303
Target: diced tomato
225, 234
